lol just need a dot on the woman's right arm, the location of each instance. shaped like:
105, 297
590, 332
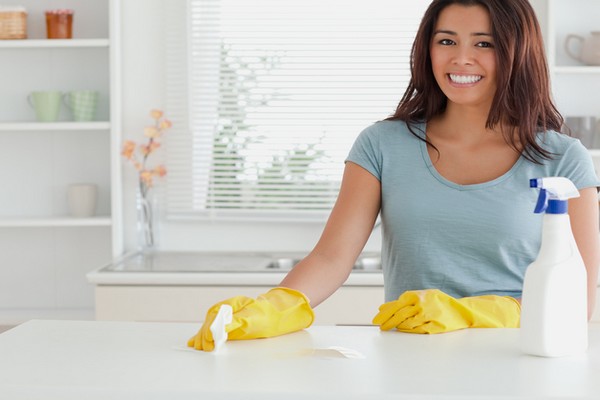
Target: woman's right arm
347, 230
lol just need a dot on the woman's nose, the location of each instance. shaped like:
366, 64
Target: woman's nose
464, 55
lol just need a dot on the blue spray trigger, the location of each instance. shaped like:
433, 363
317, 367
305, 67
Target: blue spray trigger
542, 202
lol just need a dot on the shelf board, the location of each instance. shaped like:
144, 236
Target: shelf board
53, 222
594, 152
54, 126
577, 69
52, 43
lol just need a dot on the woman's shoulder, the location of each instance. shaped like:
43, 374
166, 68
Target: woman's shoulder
392, 129
557, 142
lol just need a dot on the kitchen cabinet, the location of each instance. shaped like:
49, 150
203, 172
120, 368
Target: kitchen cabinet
352, 304
349, 305
180, 287
45, 253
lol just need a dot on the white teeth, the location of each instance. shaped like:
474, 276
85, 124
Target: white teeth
465, 78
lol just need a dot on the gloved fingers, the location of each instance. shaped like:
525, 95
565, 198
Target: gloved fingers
206, 341
413, 323
387, 310
191, 341
196, 340
412, 326
399, 317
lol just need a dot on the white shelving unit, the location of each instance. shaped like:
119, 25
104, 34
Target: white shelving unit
44, 253
574, 84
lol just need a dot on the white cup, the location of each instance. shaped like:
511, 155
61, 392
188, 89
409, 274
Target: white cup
81, 198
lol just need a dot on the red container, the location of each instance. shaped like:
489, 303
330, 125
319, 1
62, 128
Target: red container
59, 24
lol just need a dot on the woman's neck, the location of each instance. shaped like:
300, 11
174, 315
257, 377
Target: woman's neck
462, 123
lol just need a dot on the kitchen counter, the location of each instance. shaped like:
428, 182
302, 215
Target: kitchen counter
189, 268
132, 360
181, 286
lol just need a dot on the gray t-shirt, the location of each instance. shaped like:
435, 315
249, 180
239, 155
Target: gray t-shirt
466, 240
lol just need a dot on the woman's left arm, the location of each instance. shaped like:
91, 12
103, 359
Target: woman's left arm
583, 212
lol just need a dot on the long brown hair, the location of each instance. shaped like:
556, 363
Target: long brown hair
522, 102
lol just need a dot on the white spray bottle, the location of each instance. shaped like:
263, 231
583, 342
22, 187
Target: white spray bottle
554, 305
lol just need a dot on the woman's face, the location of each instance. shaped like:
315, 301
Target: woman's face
463, 56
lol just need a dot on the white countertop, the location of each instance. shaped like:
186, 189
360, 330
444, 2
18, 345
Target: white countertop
231, 269
132, 360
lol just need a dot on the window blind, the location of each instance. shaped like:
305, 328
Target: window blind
267, 97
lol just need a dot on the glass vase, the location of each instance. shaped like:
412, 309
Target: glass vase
147, 220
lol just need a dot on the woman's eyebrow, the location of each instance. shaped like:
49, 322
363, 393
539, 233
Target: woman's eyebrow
444, 31
448, 32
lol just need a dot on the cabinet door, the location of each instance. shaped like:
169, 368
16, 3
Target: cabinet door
349, 305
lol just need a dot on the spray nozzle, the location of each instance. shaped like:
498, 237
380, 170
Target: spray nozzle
554, 193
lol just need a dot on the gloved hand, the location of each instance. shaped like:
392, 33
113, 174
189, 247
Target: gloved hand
433, 311
277, 312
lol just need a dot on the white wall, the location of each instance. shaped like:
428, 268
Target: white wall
143, 89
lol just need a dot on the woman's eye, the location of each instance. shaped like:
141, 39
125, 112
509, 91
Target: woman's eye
446, 42
485, 44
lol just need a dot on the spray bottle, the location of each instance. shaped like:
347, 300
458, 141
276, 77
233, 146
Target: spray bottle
554, 304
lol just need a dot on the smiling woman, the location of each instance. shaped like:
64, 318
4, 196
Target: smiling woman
449, 175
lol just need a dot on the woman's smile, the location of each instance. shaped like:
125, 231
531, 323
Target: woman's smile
464, 79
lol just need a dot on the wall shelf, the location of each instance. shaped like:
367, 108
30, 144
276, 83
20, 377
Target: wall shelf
577, 69
594, 152
54, 222
51, 250
53, 43
55, 126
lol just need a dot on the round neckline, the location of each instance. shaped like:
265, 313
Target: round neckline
475, 186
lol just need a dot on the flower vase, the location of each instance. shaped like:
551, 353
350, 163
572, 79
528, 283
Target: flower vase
147, 221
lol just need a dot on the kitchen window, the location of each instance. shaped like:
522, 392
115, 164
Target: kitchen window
267, 97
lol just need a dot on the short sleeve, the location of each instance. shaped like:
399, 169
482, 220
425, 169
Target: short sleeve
366, 152
577, 165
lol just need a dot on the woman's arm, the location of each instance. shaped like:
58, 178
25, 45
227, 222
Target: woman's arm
347, 230
583, 212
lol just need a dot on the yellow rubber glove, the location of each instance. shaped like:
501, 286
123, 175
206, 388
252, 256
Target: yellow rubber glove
433, 311
277, 312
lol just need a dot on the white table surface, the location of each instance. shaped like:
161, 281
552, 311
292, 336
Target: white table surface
135, 360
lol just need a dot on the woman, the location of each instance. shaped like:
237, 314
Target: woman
449, 173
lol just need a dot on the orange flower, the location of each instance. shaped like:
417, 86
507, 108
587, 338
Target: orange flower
165, 124
149, 148
153, 133
160, 171
156, 114
153, 146
128, 149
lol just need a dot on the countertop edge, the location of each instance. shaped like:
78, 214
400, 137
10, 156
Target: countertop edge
213, 278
